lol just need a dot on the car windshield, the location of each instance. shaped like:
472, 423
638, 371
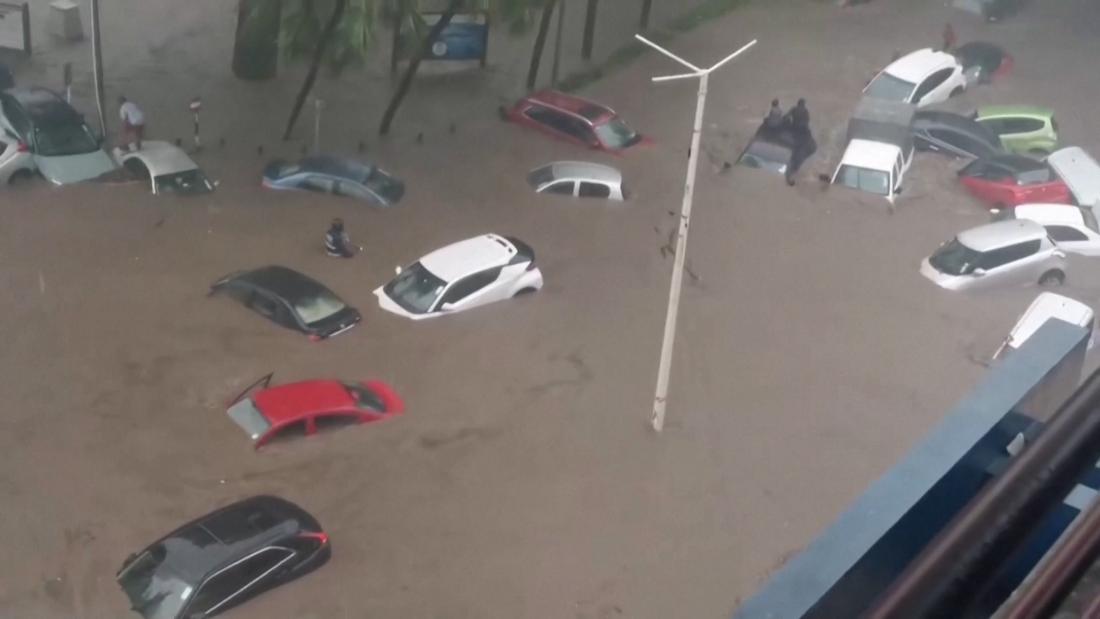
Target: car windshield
70, 138
886, 86
365, 398
540, 176
248, 417
187, 182
154, 591
317, 307
615, 134
864, 179
384, 185
415, 289
954, 258
768, 155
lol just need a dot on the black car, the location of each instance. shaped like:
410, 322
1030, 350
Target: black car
224, 558
954, 134
778, 149
339, 175
290, 299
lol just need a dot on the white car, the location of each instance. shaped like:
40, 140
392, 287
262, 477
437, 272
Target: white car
922, 78
16, 161
167, 168
1072, 228
1002, 253
461, 276
579, 179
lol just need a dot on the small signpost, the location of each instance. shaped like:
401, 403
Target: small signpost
318, 105
195, 106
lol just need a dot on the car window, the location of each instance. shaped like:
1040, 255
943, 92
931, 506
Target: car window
334, 421
1033, 177
213, 592
1065, 233
469, 285
351, 190
1007, 255
247, 572
873, 181
967, 144
17, 118
289, 432
996, 125
263, 305
1022, 125
931, 83
317, 183
564, 188
574, 127
594, 190
137, 168
539, 114
365, 398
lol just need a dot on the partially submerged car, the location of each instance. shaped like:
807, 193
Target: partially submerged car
304, 408
1047, 306
1080, 173
1008, 180
290, 299
573, 119
16, 163
1022, 129
342, 176
223, 559
461, 276
580, 179
954, 134
922, 77
1002, 253
165, 167
63, 147
983, 62
1072, 228
879, 150
778, 149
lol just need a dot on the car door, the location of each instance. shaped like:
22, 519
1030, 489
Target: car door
244, 579
316, 182
1012, 265
993, 184
349, 189
561, 188
594, 190
949, 141
1023, 134
933, 89
1074, 239
470, 291
1042, 185
550, 121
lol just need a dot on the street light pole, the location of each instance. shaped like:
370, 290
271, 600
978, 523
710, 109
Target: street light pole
660, 398
97, 66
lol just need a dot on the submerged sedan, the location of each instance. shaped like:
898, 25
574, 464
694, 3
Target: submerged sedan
337, 175
165, 167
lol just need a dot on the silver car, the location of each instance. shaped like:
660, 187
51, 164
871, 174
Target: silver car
579, 179
1004, 253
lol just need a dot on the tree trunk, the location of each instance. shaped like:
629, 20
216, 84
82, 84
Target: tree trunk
589, 30
540, 42
647, 6
414, 64
256, 44
318, 56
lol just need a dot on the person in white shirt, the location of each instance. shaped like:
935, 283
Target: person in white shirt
133, 123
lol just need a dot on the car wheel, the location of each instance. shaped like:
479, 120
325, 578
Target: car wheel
1052, 278
524, 292
19, 177
958, 91
1038, 152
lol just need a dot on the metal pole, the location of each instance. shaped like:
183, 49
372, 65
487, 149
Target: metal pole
97, 66
557, 43
661, 397
318, 105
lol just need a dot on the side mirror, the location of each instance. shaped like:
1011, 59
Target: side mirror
397, 270
446, 307
978, 272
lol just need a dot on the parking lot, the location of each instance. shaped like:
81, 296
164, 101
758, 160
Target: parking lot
523, 480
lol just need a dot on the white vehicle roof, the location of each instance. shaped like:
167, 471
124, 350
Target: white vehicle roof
1046, 306
916, 66
870, 155
1001, 233
584, 170
160, 157
1047, 214
469, 256
1080, 172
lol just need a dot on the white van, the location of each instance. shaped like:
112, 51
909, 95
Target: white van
1080, 172
1046, 306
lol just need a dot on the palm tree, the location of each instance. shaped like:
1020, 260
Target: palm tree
256, 44
322, 45
548, 7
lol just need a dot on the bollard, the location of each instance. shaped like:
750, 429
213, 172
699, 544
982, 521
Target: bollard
195, 106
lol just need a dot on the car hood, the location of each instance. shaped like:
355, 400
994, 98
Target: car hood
75, 168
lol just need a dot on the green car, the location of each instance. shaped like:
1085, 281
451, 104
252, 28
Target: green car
1023, 129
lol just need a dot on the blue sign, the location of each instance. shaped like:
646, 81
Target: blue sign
466, 37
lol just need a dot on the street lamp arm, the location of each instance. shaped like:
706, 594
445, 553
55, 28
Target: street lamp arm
732, 56
681, 76
668, 53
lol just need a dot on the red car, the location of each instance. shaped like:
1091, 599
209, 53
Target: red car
1008, 180
574, 120
298, 409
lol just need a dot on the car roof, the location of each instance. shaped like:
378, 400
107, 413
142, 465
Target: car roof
585, 170
43, 104
869, 154
590, 110
1001, 233
1017, 163
1050, 213
344, 167
285, 403
469, 256
207, 543
161, 158
1080, 172
1046, 306
915, 66
283, 282
955, 121
995, 111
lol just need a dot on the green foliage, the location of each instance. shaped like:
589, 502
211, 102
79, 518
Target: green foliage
304, 20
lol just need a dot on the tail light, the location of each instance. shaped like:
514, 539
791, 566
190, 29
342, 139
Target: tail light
21, 147
320, 537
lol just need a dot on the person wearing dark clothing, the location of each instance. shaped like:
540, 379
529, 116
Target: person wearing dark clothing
800, 117
337, 242
774, 119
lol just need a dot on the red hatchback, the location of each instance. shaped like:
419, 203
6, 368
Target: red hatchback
1008, 180
575, 120
303, 408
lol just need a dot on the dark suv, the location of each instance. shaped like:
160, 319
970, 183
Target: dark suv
223, 559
